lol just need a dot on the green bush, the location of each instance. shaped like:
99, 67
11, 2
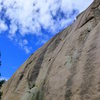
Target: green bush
1, 83
0, 95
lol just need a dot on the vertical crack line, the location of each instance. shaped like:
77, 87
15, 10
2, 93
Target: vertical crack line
73, 69
36, 69
88, 76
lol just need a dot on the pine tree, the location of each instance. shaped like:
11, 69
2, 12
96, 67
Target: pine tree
0, 75
1, 81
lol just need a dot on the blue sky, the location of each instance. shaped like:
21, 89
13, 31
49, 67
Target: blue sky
25, 25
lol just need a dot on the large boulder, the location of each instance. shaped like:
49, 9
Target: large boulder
66, 68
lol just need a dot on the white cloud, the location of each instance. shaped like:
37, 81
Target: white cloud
13, 29
30, 16
3, 78
27, 49
23, 44
3, 26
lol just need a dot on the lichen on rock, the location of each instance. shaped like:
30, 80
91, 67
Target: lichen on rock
33, 94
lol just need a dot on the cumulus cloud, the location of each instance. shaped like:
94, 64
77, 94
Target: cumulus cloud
3, 26
3, 78
23, 44
25, 17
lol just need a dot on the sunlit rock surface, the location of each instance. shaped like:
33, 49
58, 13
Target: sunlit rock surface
66, 68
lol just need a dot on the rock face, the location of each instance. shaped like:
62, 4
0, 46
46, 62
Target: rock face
66, 68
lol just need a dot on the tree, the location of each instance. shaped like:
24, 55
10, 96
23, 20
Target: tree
0, 61
1, 81
0, 75
0, 58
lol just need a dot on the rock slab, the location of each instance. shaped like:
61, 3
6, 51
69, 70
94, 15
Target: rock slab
66, 68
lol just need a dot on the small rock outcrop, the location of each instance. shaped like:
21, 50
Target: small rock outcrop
66, 68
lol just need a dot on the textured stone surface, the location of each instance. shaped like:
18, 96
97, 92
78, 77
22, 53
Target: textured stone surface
66, 68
